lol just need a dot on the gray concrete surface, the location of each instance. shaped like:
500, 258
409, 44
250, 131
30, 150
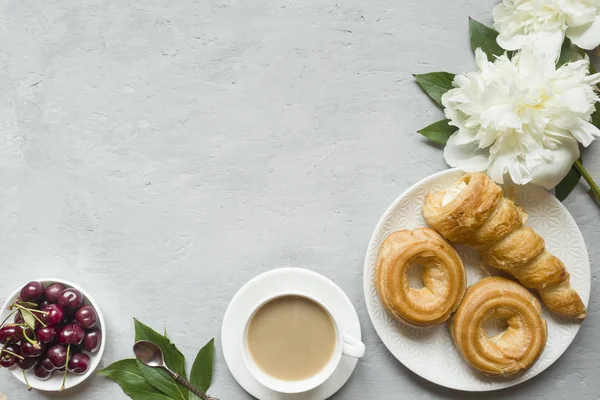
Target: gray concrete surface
162, 153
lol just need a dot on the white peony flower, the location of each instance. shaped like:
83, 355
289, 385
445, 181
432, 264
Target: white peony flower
521, 117
546, 22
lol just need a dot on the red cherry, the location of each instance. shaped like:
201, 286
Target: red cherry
29, 349
71, 334
8, 360
47, 364
11, 334
55, 314
41, 373
92, 340
57, 355
46, 334
70, 300
86, 317
79, 363
27, 363
53, 291
33, 291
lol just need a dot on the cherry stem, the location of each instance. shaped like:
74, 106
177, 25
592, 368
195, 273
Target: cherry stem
6, 319
32, 341
31, 310
26, 380
66, 369
2, 349
13, 354
39, 320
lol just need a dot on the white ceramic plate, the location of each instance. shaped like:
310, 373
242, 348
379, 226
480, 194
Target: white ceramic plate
53, 384
430, 352
254, 293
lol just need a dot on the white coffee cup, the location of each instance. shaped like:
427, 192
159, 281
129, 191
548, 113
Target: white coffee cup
345, 345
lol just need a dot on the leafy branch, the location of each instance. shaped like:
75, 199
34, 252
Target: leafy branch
140, 382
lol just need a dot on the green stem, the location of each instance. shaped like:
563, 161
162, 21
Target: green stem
3, 350
9, 315
592, 68
4, 346
66, 369
33, 341
39, 320
593, 186
31, 310
26, 380
13, 354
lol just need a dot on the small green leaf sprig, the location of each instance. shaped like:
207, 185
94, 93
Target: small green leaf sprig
435, 84
140, 382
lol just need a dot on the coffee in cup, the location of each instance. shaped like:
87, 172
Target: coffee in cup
292, 343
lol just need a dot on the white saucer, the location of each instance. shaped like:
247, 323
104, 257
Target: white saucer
275, 281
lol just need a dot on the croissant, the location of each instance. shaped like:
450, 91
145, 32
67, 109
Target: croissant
443, 277
474, 212
516, 348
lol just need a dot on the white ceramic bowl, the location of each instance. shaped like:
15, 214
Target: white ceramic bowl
53, 384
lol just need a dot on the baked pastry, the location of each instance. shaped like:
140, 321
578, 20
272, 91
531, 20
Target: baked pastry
515, 349
443, 277
474, 212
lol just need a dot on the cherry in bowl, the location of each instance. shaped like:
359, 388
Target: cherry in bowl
68, 315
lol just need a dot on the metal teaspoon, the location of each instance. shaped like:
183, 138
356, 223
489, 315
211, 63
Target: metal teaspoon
151, 355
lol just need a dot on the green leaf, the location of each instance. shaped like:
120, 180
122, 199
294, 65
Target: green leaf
484, 37
566, 53
162, 381
28, 318
128, 375
435, 84
566, 186
201, 375
439, 132
165, 332
159, 378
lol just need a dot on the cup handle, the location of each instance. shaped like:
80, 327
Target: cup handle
353, 347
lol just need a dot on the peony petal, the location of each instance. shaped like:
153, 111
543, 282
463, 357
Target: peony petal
467, 157
532, 61
586, 36
579, 13
592, 79
512, 42
503, 116
549, 43
584, 132
504, 160
481, 59
576, 100
551, 171
463, 136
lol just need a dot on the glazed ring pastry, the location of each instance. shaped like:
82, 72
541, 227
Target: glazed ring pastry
443, 277
509, 352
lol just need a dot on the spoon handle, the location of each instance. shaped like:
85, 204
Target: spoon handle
189, 387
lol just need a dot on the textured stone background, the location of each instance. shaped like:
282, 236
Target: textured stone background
162, 153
